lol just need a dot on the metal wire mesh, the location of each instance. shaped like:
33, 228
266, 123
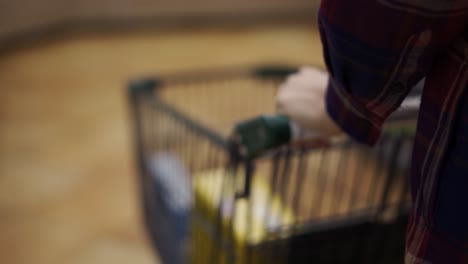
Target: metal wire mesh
345, 203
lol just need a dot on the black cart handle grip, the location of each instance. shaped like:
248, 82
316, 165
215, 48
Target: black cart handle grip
258, 135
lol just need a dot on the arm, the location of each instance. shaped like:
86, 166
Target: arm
376, 51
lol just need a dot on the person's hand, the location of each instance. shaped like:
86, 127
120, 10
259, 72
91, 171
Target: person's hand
302, 98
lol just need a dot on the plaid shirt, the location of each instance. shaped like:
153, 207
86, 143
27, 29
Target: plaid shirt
376, 51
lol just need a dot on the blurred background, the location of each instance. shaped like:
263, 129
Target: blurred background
68, 186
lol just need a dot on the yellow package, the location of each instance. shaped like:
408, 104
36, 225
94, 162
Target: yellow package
245, 222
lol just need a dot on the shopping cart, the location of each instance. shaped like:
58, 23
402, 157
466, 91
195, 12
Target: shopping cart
220, 186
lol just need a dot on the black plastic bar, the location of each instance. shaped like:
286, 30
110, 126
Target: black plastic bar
249, 171
257, 72
274, 71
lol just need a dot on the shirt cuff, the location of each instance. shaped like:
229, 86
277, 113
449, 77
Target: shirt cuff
352, 118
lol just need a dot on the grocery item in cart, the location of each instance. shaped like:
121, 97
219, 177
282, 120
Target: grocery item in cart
169, 195
245, 222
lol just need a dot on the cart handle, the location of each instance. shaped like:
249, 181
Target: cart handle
255, 136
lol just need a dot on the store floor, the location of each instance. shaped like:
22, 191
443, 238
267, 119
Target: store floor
68, 185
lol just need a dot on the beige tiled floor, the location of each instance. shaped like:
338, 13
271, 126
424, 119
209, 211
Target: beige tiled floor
68, 189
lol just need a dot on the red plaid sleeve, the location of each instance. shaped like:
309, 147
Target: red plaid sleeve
376, 51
